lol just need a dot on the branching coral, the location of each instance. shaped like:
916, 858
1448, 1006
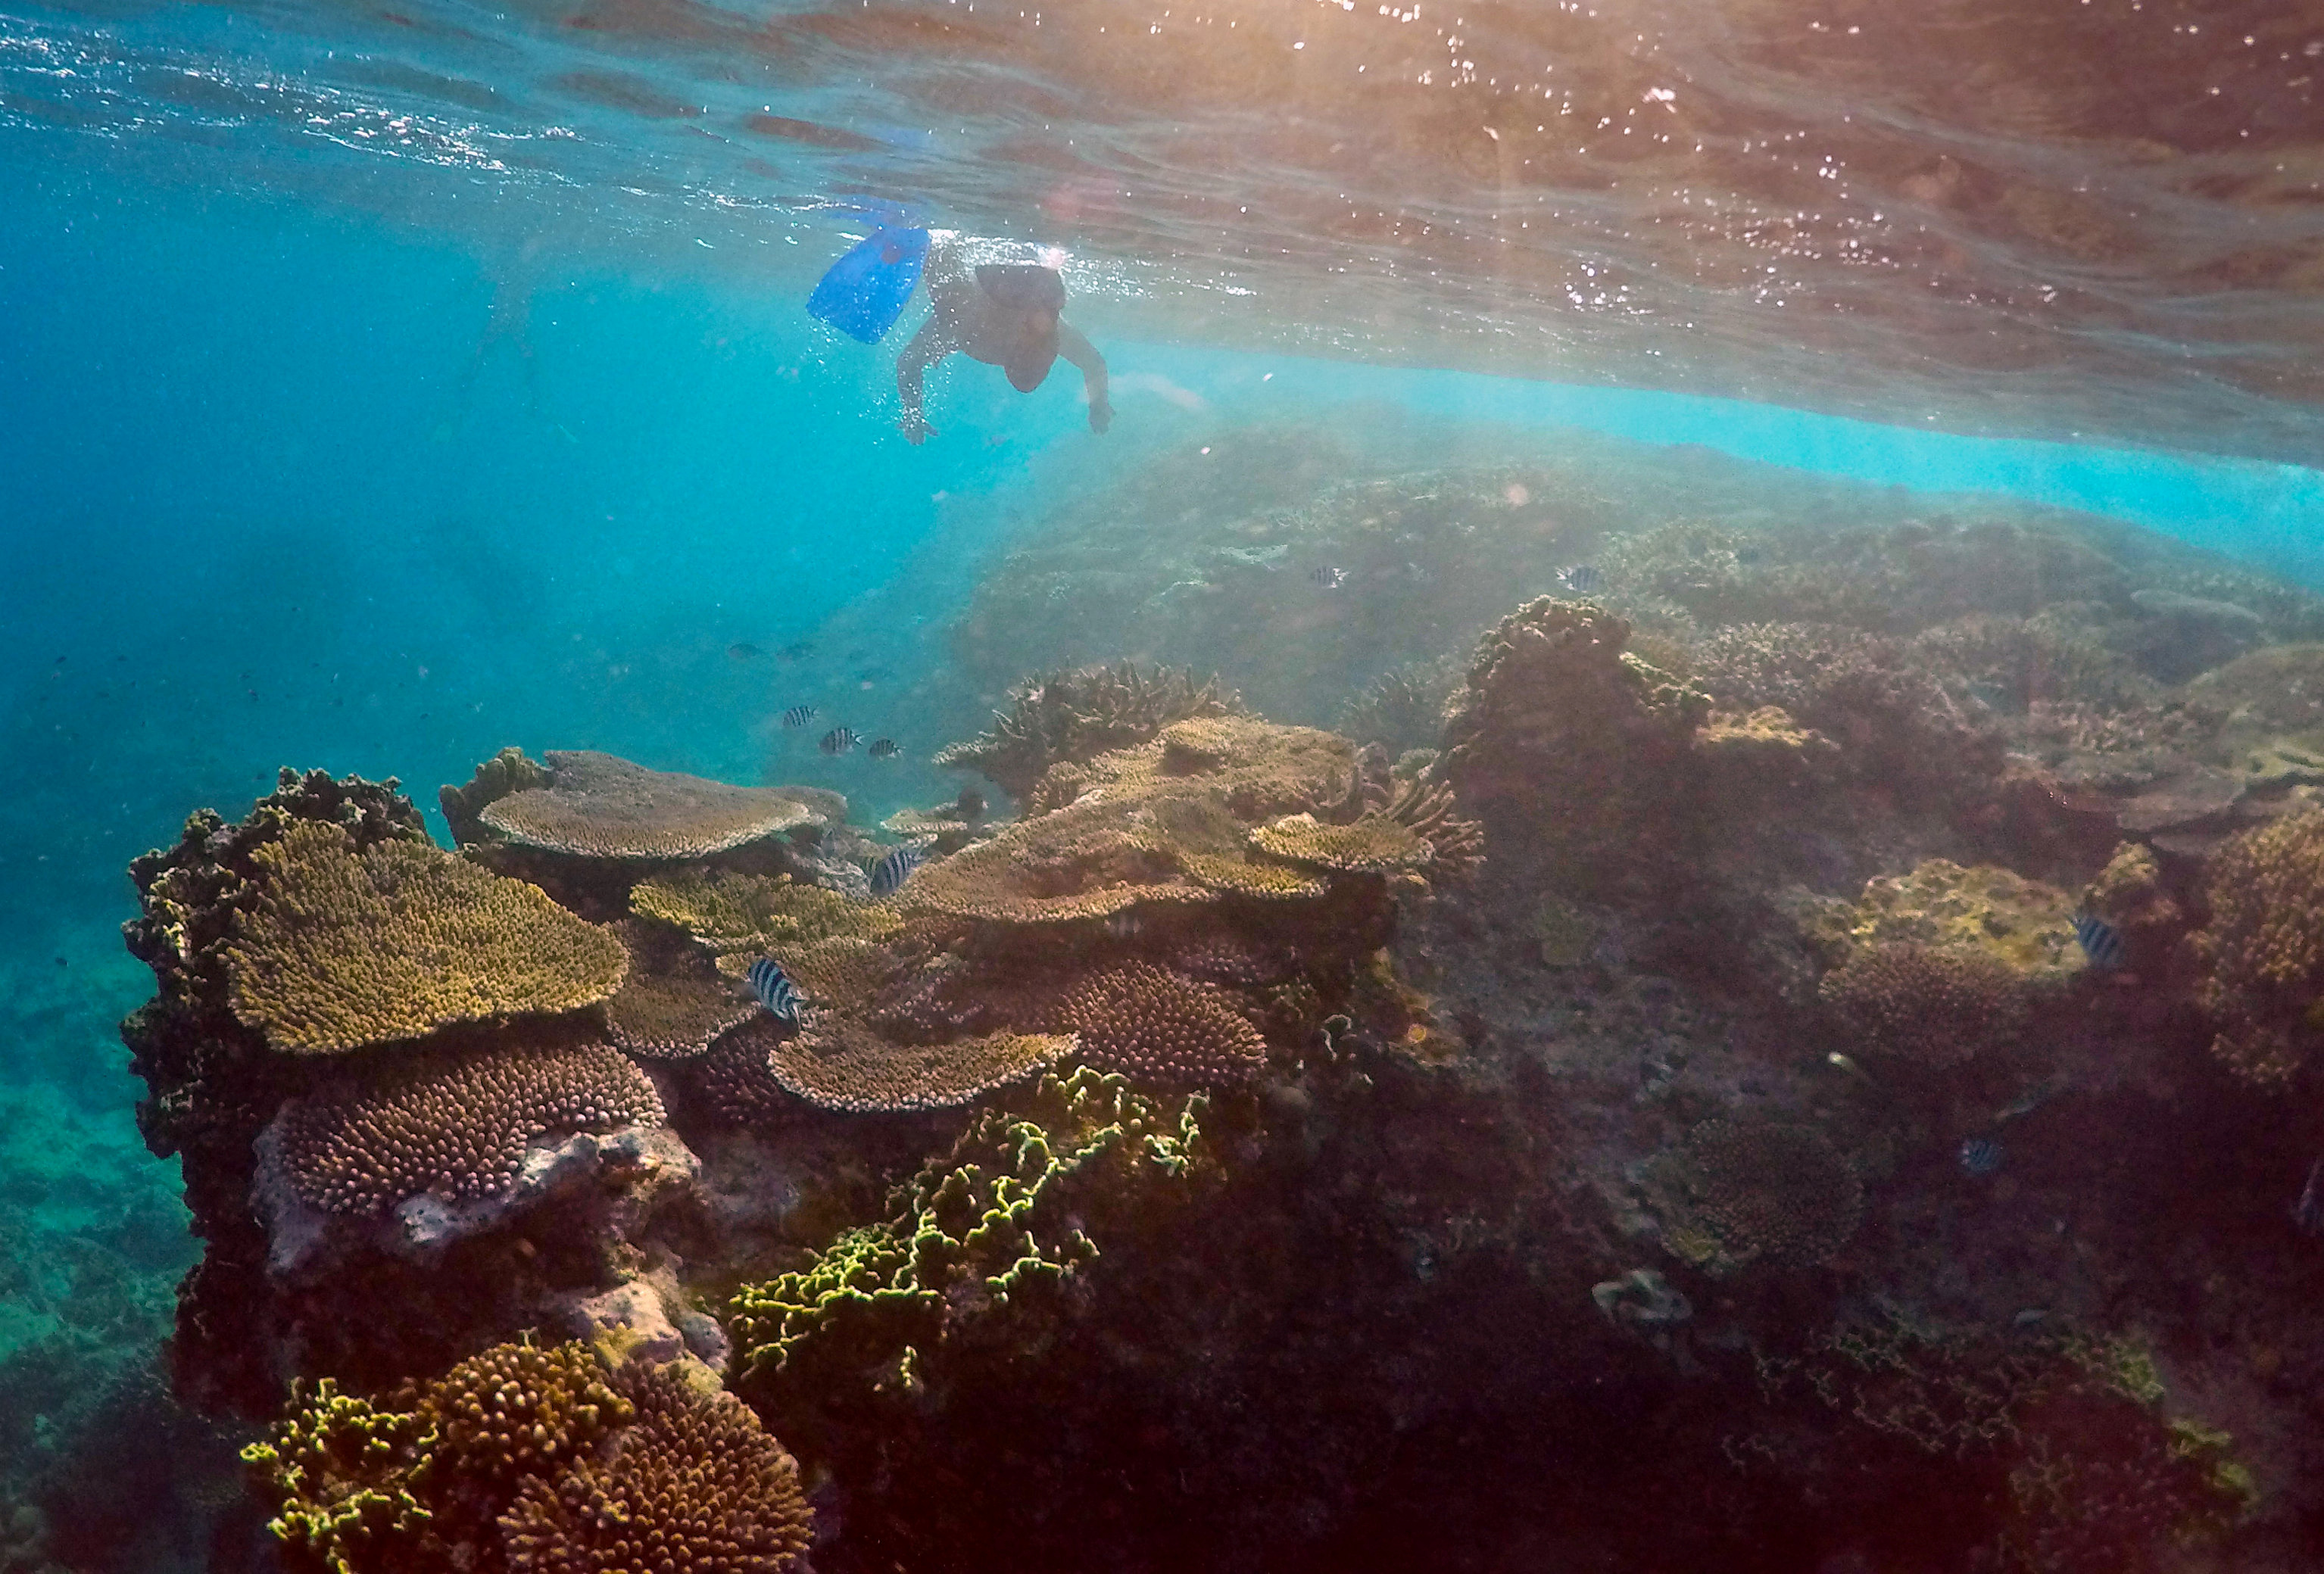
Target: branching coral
1007, 1210
692, 1482
1162, 1030
2264, 948
1403, 707
1741, 1191
530, 1459
601, 807
347, 949
1079, 714
453, 1127
1930, 1008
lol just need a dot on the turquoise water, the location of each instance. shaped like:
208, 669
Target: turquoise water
326, 482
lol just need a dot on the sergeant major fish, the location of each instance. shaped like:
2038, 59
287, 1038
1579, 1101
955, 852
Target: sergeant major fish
838, 740
896, 867
2101, 941
775, 990
798, 715
1582, 579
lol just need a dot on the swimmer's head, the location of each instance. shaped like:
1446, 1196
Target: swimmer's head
1031, 297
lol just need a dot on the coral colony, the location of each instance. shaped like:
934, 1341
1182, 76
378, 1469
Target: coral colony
1255, 1127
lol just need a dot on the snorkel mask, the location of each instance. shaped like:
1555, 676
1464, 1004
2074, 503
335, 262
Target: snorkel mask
1037, 293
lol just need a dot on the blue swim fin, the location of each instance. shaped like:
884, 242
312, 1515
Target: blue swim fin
865, 291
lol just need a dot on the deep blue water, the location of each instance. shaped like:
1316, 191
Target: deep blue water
286, 483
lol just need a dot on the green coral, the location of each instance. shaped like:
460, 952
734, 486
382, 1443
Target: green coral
1011, 1209
349, 948
731, 912
2265, 949
344, 1475
2025, 924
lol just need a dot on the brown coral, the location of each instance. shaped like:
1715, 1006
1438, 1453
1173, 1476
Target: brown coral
2264, 946
1764, 1190
673, 1003
693, 1484
1079, 714
518, 1409
837, 1063
602, 806
1933, 1008
1162, 1030
507, 772
1374, 843
453, 1127
348, 948
732, 912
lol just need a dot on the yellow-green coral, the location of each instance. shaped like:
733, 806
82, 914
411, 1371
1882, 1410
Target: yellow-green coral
673, 1003
2021, 922
731, 912
1371, 844
340, 1473
2264, 948
1008, 1209
347, 949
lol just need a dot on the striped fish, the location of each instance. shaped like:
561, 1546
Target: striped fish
775, 990
2101, 941
1981, 1155
838, 740
798, 715
1582, 579
882, 748
889, 875
1329, 576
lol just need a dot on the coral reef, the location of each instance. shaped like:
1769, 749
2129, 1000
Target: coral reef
672, 1002
1402, 708
601, 807
1926, 1008
1059, 717
524, 1459
835, 1064
731, 912
455, 1128
2025, 924
1741, 1191
1376, 843
348, 948
2264, 948
1161, 1030
507, 773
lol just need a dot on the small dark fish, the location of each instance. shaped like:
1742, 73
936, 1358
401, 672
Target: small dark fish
775, 990
1981, 1155
870, 675
883, 748
1330, 577
2308, 1213
1582, 579
742, 650
894, 867
838, 740
971, 804
798, 715
799, 652
2101, 941
1124, 926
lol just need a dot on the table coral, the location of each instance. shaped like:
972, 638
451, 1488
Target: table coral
1078, 714
349, 948
1924, 1005
2264, 948
505, 773
1741, 1191
1373, 844
672, 1002
601, 807
453, 1127
1162, 1030
732, 912
837, 1063
694, 1483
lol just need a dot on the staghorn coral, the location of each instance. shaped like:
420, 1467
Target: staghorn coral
1574, 740
345, 949
672, 1002
1007, 1211
1735, 1193
505, 773
836, 1063
1076, 715
694, 1483
1930, 1008
1424, 804
1403, 707
731, 912
2264, 948
453, 1127
1373, 844
601, 807
1162, 1030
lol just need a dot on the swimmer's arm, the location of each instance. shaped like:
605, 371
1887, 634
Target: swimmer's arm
1083, 354
928, 346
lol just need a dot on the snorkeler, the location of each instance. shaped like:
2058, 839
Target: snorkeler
1005, 315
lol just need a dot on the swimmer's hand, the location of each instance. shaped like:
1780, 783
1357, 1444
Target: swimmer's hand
914, 427
1101, 416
